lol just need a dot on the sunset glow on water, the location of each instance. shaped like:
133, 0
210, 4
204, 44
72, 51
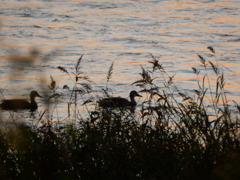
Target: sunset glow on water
124, 32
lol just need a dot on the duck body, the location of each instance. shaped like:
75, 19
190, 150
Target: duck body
17, 104
115, 102
119, 102
20, 104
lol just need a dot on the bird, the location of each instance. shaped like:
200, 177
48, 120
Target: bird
120, 102
20, 104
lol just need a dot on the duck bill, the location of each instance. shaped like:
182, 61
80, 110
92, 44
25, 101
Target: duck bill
39, 96
138, 95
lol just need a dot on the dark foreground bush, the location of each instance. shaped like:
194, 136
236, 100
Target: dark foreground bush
112, 148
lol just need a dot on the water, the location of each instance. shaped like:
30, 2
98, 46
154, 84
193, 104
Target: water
123, 31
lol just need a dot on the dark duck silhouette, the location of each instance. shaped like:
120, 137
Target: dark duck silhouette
20, 104
120, 102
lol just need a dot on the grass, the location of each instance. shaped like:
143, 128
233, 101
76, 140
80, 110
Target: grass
176, 136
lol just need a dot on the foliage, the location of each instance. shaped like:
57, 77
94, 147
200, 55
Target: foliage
176, 137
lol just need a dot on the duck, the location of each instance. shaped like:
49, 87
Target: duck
21, 104
119, 101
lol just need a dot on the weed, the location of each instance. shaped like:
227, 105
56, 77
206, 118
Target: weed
176, 136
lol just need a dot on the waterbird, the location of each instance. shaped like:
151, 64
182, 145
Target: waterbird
120, 102
20, 104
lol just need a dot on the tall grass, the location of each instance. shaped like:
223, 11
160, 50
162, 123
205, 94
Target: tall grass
78, 89
176, 136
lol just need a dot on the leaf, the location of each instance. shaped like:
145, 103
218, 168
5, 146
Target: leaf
203, 61
145, 91
197, 92
55, 95
41, 116
53, 84
181, 94
110, 72
187, 98
62, 69
80, 91
211, 49
86, 86
155, 63
84, 78
196, 71
87, 101
69, 111
202, 98
77, 67
170, 81
215, 69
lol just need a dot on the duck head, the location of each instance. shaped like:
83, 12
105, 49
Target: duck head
134, 94
34, 94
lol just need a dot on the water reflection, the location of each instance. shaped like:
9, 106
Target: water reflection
121, 31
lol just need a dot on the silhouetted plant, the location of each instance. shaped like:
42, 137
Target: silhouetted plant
176, 136
78, 89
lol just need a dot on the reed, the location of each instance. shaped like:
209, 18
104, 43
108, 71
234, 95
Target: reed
175, 136
78, 89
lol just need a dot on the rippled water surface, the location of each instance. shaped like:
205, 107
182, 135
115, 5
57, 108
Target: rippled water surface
123, 31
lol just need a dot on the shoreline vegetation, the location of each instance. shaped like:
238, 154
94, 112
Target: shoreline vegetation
176, 136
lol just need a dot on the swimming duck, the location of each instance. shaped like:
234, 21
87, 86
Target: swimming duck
119, 102
18, 104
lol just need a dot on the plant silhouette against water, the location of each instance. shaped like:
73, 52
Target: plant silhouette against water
176, 136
